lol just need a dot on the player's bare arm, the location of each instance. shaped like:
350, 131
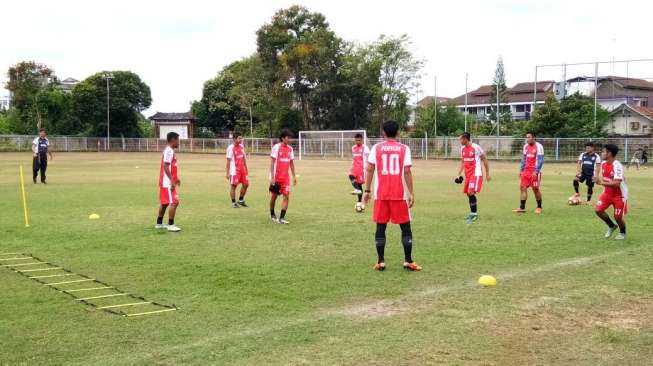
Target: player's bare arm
272, 160
227, 168
408, 175
292, 170
50, 153
368, 182
486, 167
460, 168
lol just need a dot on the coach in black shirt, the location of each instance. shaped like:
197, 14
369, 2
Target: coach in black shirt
40, 152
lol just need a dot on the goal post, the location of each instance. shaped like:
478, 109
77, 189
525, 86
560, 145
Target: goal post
327, 143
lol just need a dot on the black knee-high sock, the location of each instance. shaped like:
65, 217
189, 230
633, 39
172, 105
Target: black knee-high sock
379, 238
539, 203
622, 229
473, 207
590, 191
522, 204
407, 241
608, 222
352, 180
576, 186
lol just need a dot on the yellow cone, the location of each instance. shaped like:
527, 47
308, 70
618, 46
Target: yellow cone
487, 280
93, 216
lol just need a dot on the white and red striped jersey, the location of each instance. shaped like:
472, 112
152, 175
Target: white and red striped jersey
359, 154
471, 155
168, 156
390, 158
614, 172
283, 154
236, 156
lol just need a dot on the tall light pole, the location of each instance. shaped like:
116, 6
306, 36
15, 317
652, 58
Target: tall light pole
435, 106
108, 76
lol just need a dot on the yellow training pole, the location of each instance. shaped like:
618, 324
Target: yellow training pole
22, 188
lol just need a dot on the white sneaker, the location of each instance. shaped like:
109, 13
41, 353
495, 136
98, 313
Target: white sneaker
608, 233
160, 226
620, 236
174, 228
356, 191
284, 222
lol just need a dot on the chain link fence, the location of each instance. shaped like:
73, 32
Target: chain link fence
496, 148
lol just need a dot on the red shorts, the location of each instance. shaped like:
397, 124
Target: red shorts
284, 188
239, 178
473, 184
606, 200
359, 177
395, 211
168, 196
529, 180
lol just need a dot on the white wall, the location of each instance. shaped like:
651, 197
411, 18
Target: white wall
182, 130
621, 125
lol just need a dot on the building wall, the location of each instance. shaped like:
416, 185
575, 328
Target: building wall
624, 125
182, 130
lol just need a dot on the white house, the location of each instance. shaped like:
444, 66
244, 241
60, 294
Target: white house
628, 120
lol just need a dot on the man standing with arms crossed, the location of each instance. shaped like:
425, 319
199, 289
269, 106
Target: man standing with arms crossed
471, 157
530, 174
393, 193
40, 152
237, 171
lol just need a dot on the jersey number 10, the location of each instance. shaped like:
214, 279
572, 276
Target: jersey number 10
390, 164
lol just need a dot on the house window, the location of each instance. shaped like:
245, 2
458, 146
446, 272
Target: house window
471, 110
488, 110
519, 108
634, 126
645, 103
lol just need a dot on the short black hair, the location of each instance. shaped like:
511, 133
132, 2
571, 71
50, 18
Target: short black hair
41, 129
391, 128
612, 149
530, 133
466, 136
358, 136
589, 143
235, 135
172, 136
284, 133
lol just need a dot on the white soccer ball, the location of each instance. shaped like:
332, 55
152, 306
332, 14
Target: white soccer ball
574, 200
359, 207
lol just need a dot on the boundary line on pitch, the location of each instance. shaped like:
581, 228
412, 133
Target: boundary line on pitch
58, 284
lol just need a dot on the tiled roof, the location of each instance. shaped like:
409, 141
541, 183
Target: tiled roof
172, 116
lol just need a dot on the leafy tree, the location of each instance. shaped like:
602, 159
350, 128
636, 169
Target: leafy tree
399, 71
499, 82
450, 120
548, 119
579, 112
299, 51
27, 80
129, 96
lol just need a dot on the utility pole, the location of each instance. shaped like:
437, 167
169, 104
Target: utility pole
466, 78
108, 76
498, 112
435, 106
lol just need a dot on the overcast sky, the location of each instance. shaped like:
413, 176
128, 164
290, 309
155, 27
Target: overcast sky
176, 45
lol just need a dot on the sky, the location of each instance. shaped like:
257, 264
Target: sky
175, 46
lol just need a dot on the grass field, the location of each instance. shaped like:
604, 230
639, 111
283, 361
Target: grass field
251, 292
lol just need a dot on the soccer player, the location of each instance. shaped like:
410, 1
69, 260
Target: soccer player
589, 164
168, 183
531, 172
471, 156
237, 171
393, 193
40, 154
359, 153
281, 162
615, 192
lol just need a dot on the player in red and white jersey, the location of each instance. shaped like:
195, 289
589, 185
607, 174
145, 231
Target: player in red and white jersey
168, 183
615, 191
530, 174
359, 154
281, 165
237, 170
472, 162
390, 165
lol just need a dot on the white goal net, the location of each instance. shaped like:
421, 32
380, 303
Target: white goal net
327, 143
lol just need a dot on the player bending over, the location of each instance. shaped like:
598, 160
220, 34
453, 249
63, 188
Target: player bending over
393, 193
281, 162
359, 153
168, 183
237, 171
471, 156
589, 164
615, 192
530, 174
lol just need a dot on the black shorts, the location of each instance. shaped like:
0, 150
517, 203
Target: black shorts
587, 179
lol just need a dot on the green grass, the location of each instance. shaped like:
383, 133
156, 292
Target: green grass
250, 292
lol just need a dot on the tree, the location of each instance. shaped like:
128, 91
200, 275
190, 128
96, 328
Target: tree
129, 96
451, 121
299, 51
27, 80
399, 71
579, 112
547, 120
499, 82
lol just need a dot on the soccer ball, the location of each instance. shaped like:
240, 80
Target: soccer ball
359, 207
574, 200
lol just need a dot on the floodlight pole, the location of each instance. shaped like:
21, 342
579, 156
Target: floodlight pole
596, 89
108, 76
498, 112
466, 79
435, 106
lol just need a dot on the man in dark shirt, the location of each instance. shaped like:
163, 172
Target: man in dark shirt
589, 164
40, 154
